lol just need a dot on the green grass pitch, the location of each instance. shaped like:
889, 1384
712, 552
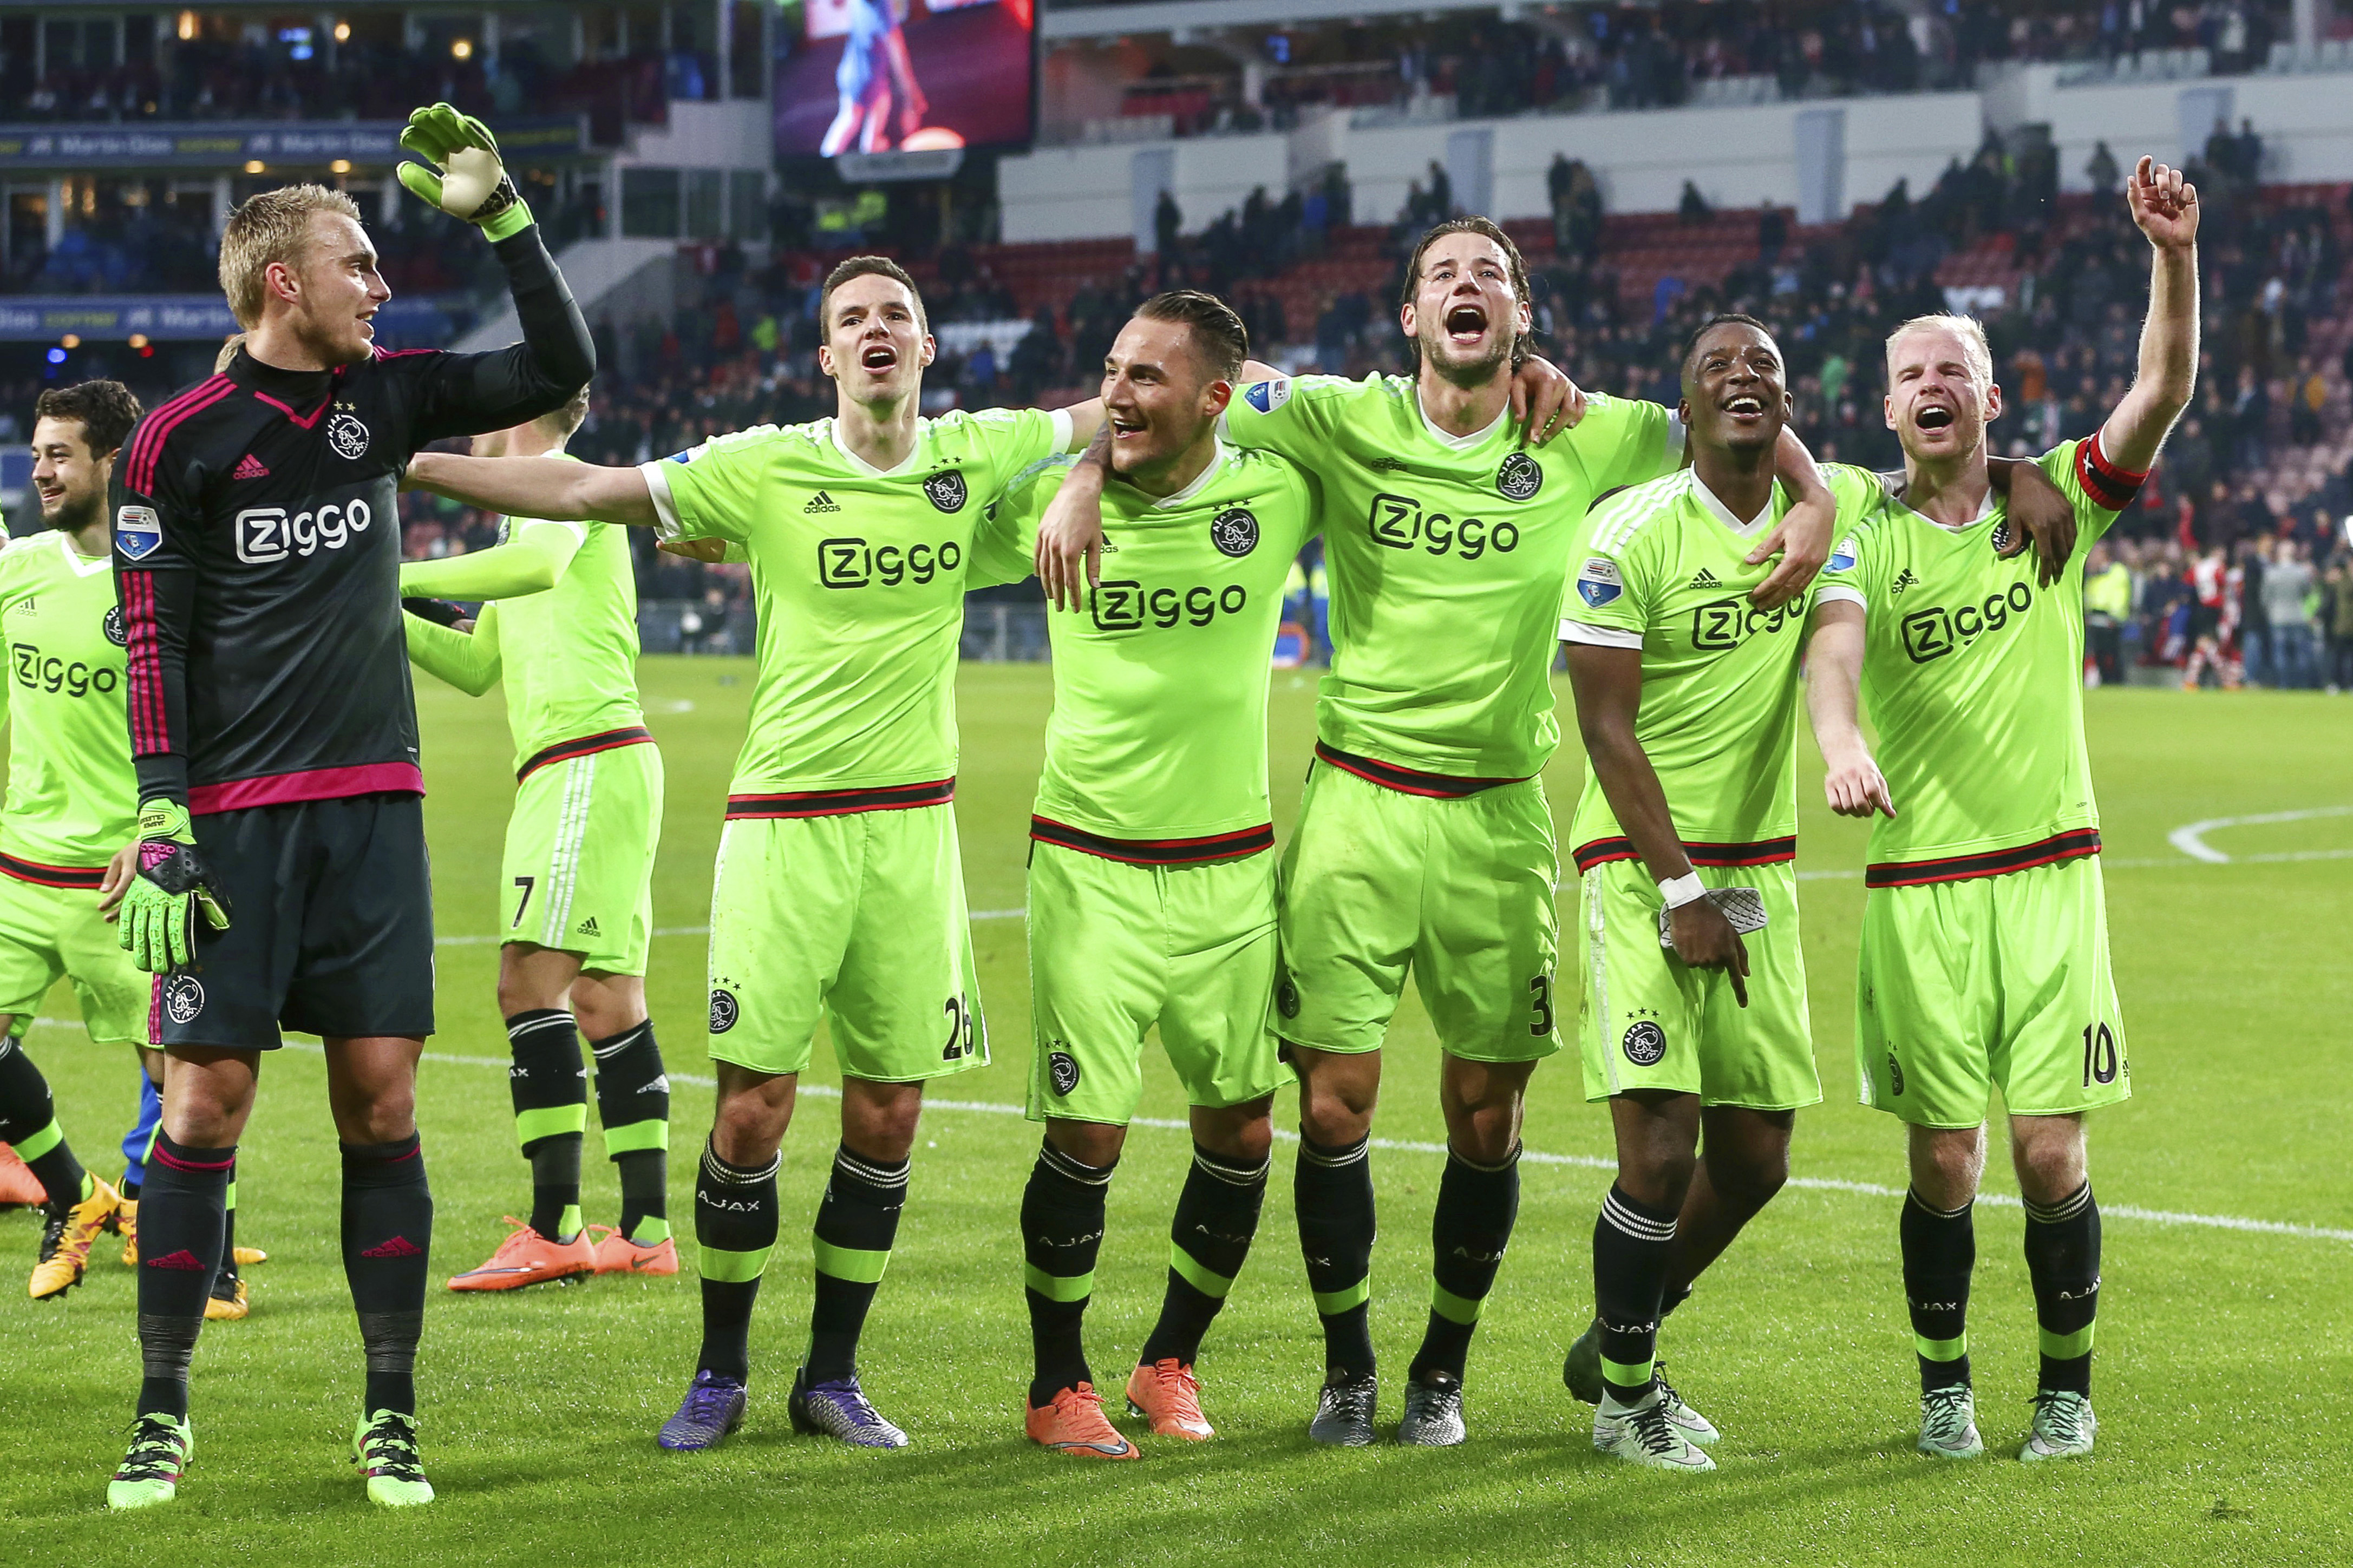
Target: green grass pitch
2222, 1380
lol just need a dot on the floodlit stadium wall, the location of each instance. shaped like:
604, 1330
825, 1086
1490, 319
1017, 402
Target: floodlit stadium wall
1819, 156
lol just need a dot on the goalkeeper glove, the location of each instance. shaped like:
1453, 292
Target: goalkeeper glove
440, 612
461, 174
160, 906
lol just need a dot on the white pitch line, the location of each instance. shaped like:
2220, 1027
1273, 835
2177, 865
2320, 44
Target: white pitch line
2192, 840
1532, 1156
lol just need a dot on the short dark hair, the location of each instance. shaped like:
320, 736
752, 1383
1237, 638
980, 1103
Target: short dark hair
106, 409
1219, 335
1487, 228
867, 266
1722, 319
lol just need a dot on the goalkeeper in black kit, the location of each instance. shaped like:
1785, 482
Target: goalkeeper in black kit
282, 878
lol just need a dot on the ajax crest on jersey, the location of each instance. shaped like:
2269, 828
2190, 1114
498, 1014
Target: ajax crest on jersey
946, 490
1645, 1043
116, 632
1895, 1075
1598, 583
1062, 1067
1520, 476
138, 531
2002, 535
1266, 396
722, 1010
1234, 531
183, 998
347, 436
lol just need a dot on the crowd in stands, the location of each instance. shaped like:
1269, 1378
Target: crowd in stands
264, 78
1655, 56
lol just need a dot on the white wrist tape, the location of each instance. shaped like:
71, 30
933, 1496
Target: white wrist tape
1683, 889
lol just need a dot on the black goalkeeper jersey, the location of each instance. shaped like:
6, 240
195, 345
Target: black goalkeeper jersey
257, 554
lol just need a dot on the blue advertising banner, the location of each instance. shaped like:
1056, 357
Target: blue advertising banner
233, 143
408, 320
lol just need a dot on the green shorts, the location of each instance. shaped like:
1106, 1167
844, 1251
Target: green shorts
579, 867
860, 918
1650, 1021
1375, 882
1117, 949
48, 931
1995, 980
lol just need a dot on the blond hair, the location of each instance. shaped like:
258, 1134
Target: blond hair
229, 345
558, 423
1975, 351
271, 228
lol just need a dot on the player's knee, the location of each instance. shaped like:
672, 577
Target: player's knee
1243, 1134
878, 1119
1336, 1095
1659, 1178
1096, 1143
2050, 1166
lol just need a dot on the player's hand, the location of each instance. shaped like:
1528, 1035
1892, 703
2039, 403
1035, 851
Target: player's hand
2037, 512
710, 552
117, 881
1071, 536
1545, 402
173, 886
440, 612
1855, 785
2163, 204
1704, 940
462, 174
1802, 542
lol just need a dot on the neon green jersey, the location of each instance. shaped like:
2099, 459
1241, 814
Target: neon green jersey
72, 799
1973, 676
1158, 733
570, 655
1660, 568
1446, 556
858, 576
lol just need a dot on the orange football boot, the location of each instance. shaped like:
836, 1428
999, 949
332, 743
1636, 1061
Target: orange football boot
126, 1226
18, 1185
527, 1258
65, 1241
616, 1254
1169, 1395
1073, 1423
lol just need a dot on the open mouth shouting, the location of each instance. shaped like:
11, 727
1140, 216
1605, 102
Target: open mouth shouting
879, 357
1746, 407
1466, 324
1936, 417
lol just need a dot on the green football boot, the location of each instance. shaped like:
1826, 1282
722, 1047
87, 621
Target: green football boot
1949, 1422
386, 1443
2063, 1425
150, 1472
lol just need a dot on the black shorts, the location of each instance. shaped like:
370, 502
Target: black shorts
331, 927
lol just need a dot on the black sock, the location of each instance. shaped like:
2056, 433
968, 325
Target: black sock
2062, 1258
387, 1246
1217, 1216
1472, 1224
181, 1222
228, 1269
1630, 1243
549, 1091
734, 1231
856, 1224
28, 1124
1061, 1231
1333, 1191
633, 1102
1940, 1248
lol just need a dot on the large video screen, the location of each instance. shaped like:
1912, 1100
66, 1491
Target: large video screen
880, 76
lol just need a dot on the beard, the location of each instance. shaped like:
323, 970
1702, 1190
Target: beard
1477, 366
75, 513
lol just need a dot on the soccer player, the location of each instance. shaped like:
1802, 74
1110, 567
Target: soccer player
1687, 702
838, 891
1152, 865
67, 828
282, 878
1985, 950
1424, 844
561, 628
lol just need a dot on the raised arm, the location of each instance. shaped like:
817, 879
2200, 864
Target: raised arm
1803, 538
537, 553
1833, 701
1608, 685
2165, 207
555, 489
1071, 533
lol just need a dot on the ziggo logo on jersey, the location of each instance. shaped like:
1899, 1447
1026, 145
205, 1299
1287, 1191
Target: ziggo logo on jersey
854, 564
265, 533
34, 673
1933, 633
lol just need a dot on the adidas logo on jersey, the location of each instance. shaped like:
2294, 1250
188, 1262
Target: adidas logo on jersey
1903, 579
1705, 579
819, 503
250, 467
